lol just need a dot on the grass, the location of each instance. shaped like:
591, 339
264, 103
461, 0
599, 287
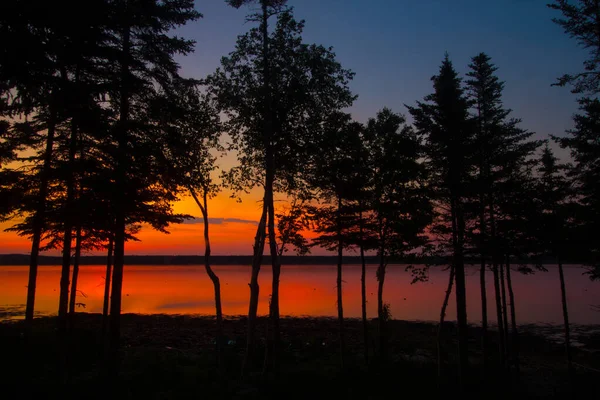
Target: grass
173, 357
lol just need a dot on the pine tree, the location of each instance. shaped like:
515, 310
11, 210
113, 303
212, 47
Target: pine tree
584, 144
580, 20
443, 121
144, 50
555, 211
502, 151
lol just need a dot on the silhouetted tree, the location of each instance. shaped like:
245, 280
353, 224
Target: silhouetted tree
191, 130
503, 151
275, 91
580, 20
336, 179
554, 227
400, 206
443, 120
144, 53
32, 77
584, 144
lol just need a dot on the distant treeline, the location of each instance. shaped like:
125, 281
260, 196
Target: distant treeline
24, 259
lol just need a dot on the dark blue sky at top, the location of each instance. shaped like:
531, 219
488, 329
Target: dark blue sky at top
395, 46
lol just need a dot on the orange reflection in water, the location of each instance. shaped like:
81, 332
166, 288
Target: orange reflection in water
305, 290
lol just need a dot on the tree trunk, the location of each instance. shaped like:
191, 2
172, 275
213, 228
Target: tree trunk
259, 246
273, 339
482, 285
499, 319
116, 291
461, 293
212, 275
340, 306
442, 317
504, 316
107, 287
72, 301
513, 319
483, 178
39, 221
565, 310
498, 296
363, 290
259, 240
119, 207
381, 315
63, 303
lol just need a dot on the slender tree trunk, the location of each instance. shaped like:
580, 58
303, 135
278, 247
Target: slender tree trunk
63, 303
273, 346
116, 291
211, 274
363, 289
107, 287
483, 177
39, 221
565, 310
482, 285
497, 295
381, 315
72, 301
513, 319
119, 206
259, 241
340, 305
499, 319
259, 246
442, 317
504, 316
461, 293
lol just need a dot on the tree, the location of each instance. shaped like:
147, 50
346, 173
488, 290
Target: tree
443, 121
275, 91
584, 144
191, 132
580, 20
399, 204
144, 52
32, 76
502, 167
335, 178
554, 191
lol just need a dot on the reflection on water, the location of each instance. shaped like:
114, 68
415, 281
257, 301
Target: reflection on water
305, 290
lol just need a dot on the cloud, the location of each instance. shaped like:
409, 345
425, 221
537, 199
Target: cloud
220, 221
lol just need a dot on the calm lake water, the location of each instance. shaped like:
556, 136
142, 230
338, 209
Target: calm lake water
305, 290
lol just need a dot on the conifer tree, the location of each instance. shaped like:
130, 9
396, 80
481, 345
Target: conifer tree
502, 155
443, 120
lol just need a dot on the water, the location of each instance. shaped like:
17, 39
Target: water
305, 290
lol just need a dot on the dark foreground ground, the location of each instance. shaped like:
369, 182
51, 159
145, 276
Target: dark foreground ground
173, 357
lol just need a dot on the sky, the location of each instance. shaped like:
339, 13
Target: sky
394, 47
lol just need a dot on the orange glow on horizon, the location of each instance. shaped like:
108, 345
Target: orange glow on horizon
232, 230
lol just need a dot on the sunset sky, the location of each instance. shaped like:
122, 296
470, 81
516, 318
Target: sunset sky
394, 47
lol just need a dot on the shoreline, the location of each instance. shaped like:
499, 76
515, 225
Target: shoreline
175, 356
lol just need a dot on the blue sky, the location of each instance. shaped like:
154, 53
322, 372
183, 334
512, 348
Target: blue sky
395, 46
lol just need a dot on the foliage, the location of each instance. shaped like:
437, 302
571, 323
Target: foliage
580, 20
